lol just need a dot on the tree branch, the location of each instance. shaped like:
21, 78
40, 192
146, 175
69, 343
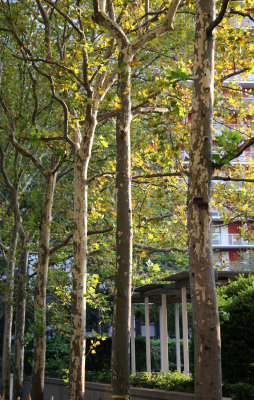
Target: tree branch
148, 110
234, 154
235, 73
15, 143
60, 245
96, 251
111, 114
158, 175
64, 172
36, 100
154, 33
50, 62
219, 17
69, 237
97, 232
2, 169
159, 249
229, 178
100, 175
47, 27
101, 18
66, 17
65, 112
4, 250
243, 14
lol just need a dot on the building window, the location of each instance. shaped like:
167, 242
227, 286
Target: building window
216, 235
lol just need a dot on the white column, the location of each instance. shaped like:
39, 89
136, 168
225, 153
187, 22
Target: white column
164, 334
177, 334
133, 353
185, 332
161, 339
147, 322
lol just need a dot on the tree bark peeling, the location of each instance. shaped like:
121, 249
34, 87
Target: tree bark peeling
79, 266
123, 280
40, 289
205, 313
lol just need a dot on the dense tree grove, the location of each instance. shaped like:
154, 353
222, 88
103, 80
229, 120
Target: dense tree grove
109, 110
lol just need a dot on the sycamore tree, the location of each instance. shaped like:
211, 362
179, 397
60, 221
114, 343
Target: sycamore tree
8, 249
205, 312
69, 56
15, 179
98, 63
128, 47
15, 290
24, 127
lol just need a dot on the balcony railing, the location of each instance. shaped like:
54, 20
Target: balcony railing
233, 239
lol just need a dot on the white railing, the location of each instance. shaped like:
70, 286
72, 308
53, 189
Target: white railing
235, 239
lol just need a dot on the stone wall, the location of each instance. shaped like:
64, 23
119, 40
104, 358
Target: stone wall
57, 389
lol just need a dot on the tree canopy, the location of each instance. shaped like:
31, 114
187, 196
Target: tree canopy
74, 78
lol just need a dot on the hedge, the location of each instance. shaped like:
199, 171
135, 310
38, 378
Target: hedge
172, 381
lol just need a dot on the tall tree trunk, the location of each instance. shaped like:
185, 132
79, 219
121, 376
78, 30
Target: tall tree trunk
8, 313
122, 299
20, 320
79, 266
122, 302
40, 291
204, 304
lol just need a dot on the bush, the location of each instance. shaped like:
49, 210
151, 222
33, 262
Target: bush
103, 376
172, 381
237, 327
241, 391
57, 356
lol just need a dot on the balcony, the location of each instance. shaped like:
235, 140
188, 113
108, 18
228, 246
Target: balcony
231, 240
235, 239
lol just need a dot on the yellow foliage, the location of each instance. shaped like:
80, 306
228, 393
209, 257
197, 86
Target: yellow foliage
117, 106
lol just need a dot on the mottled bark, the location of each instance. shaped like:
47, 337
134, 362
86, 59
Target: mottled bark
20, 320
79, 266
8, 313
40, 291
122, 302
204, 305
123, 279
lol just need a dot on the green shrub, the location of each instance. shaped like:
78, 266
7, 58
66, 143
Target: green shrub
241, 391
172, 381
237, 331
57, 356
103, 376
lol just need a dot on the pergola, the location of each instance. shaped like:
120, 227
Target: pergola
176, 290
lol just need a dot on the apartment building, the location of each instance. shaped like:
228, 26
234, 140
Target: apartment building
230, 246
